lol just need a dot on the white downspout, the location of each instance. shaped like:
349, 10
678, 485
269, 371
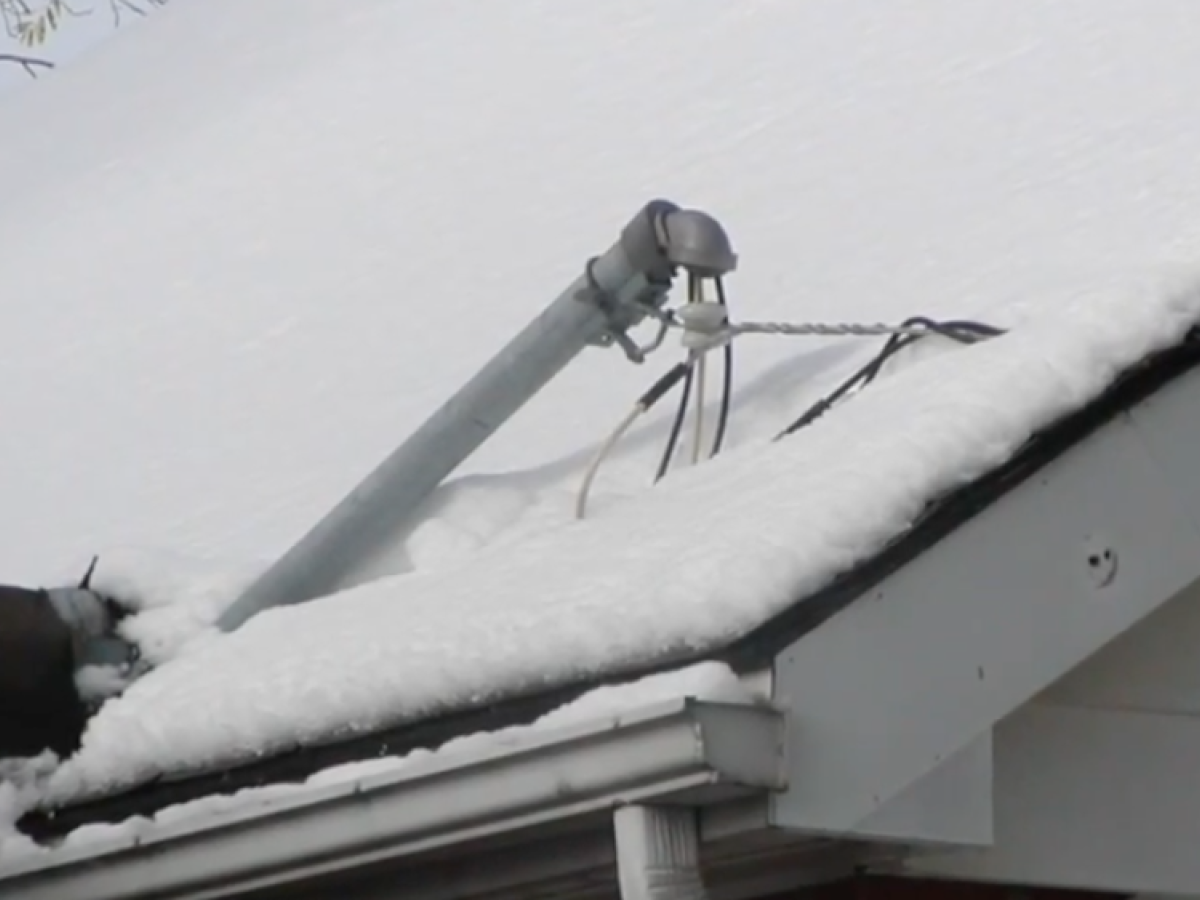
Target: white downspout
658, 853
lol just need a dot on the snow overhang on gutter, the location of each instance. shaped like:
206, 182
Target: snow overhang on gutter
682, 752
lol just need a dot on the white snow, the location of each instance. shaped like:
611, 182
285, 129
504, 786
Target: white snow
21, 785
22, 789
699, 560
249, 248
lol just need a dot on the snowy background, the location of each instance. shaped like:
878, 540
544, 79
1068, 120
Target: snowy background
246, 249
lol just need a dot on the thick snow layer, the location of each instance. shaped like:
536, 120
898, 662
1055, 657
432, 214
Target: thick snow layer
24, 787
247, 249
701, 559
22, 783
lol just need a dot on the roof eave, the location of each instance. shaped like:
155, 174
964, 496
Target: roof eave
683, 751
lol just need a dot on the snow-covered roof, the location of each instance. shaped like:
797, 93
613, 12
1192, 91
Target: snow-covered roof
686, 568
246, 281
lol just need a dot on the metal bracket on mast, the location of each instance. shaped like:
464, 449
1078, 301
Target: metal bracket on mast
689, 239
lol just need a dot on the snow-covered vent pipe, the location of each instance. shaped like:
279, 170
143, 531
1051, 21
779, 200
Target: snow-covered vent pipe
617, 291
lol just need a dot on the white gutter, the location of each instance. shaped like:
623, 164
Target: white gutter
684, 751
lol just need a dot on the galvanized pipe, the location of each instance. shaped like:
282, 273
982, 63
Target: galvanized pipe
615, 292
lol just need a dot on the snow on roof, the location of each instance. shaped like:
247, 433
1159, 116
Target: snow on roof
254, 245
694, 563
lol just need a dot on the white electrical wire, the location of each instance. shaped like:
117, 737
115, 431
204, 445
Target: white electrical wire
601, 454
698, 428
699, 365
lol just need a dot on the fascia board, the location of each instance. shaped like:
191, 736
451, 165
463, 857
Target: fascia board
891, 687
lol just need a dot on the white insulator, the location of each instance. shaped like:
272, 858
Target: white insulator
705, 325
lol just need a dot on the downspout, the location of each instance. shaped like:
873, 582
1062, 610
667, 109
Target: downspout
658, 853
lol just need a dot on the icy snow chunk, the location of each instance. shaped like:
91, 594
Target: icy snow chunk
712, 681
176, 599
22, 783
97, 683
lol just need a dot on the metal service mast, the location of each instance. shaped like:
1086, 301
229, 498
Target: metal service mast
617, 291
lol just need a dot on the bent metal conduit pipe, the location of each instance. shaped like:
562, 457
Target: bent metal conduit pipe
616, 291
658, 853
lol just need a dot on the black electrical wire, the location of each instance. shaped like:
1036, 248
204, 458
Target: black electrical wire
962, 331
726, 401
677, 425
726, 381
664, 462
